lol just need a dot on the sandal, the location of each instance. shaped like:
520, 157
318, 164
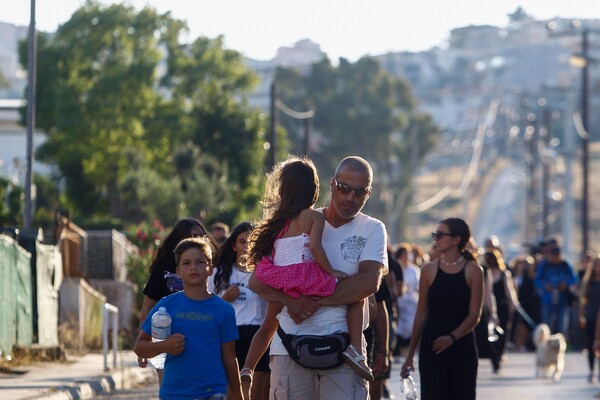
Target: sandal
356, 361
246, 379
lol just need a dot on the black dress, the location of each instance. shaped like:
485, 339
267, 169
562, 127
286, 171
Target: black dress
452, 374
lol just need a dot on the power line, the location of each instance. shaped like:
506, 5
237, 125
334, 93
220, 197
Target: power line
294, 114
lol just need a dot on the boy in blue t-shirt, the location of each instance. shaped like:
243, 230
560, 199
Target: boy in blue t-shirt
201, 362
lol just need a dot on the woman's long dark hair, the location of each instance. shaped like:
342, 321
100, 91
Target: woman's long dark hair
459, 227
226, 257
588, 276
181, 230
292, 187
495, 256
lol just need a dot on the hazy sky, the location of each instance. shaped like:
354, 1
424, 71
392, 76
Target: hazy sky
343, 28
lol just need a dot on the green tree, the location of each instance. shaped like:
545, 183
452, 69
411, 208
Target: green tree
11, 203
3, 82
113, 82
361, 109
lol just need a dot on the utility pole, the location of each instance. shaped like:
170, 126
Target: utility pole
585, 143
583, 61
567, 219
31, 82
307, 116
530, 136
544, 135
307, 122
273, 127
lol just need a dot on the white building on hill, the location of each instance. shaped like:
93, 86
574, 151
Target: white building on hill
13, 143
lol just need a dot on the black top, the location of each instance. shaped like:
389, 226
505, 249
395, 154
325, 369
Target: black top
163, 279
448, 303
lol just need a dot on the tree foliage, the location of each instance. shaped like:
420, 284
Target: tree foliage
3, 81
10, 203
119, 94
362, 110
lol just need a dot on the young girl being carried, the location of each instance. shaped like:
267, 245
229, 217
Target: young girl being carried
286, 249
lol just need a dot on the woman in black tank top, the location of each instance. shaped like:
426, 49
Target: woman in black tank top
450, 300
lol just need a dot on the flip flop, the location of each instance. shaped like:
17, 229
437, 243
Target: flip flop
246, 378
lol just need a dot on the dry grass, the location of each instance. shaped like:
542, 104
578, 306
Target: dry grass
26, 355
467, 205
463, 205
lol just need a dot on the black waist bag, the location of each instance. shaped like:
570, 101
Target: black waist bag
313, 351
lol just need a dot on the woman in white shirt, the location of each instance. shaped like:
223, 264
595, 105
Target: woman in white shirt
408, 296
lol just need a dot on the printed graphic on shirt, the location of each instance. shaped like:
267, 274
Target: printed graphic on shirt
174, 282
243, 287
194, 316
352, 246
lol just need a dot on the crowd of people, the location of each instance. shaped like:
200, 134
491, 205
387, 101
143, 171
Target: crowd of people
268, 294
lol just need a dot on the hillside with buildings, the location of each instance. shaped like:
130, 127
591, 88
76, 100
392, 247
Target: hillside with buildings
497, 92
9, 61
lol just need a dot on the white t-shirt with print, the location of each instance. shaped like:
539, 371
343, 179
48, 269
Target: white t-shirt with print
362, 239
250, 308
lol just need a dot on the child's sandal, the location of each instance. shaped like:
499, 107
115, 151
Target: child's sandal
353, 358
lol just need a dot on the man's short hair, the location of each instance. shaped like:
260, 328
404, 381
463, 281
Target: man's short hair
220, 225
355, 163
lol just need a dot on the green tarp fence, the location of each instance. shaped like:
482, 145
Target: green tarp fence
16, 323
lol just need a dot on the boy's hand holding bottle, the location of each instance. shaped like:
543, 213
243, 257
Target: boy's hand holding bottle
174, 344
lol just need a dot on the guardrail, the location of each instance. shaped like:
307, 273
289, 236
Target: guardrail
114, 311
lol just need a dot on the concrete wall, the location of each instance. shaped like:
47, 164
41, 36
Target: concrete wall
80, 313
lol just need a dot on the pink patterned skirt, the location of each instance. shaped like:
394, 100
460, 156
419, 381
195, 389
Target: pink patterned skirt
305, 278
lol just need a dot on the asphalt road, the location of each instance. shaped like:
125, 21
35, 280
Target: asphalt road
516, 381
502, 209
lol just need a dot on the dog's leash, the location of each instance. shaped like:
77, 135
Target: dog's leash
528, 320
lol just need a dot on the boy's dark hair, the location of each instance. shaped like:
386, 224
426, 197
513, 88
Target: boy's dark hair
201, 243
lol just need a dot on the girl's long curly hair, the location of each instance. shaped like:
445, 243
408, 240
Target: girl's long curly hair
292, 187
226, 257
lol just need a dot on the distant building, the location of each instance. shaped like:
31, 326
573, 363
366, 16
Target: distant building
303, 53
13, 143
10, 35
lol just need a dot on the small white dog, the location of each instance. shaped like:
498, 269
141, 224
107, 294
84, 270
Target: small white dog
550, 353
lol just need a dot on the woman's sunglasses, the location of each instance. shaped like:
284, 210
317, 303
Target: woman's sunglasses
439, 235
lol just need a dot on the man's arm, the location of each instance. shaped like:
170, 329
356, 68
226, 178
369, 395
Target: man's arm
597, 336
381, 330
356, 287
298, 309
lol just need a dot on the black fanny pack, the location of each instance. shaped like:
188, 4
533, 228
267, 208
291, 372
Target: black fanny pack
313, 351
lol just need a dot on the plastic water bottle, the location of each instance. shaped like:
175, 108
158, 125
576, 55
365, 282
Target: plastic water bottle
161, 329
409, 388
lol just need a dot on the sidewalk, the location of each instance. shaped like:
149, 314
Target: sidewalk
80, 377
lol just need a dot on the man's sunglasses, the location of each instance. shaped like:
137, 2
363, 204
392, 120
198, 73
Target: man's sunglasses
438, 235
347, 189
